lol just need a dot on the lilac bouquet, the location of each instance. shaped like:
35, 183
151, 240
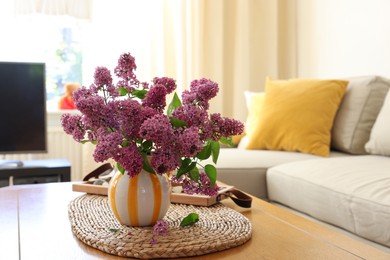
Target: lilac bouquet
129, 121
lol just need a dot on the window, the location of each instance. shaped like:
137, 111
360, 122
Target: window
55, 40
63, 57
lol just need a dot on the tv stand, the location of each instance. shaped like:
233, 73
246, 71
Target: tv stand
34, 171
11, 163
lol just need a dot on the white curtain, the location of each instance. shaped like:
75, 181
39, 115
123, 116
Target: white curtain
236, 43
75, 8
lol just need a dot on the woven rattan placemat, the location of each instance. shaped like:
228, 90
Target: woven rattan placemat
218, 228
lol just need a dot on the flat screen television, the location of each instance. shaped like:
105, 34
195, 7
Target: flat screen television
22, 108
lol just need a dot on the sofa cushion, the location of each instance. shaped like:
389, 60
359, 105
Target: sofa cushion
351, 192
246, 169
379, 142
357, 113
297, 115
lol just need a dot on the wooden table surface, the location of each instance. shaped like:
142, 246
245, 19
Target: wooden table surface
34, 224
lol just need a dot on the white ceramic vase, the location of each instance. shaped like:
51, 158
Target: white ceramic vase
141, 200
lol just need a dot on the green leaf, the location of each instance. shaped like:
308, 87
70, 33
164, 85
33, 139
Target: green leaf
194, 174
175, 103
147, 145
123, 91
211, 172
227, 141
84, 141
139, 93
184, 165
191, 219
185, 168
120, 168
177, 122
113, 230
146, 165
124, 143
215, 151
205, 152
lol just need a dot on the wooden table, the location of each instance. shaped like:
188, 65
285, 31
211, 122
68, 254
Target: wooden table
34, 224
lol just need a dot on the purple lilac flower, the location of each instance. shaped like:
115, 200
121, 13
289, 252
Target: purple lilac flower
160, 228
191, 115
158, 129
216, 121
168, 83
129, 114
223, 126
117, 126
231, 127
126, 66
207, 132
189, 186
108, 145
202, 187
130, 159
110, 89
97, 112
113, 91
205, 88
109, 115
86, 101
148, 112
205, 185
72, 126
155, 98
102, 77
188, 97
125, 84
144, 85
125, 70
201, 91
104, 118
189, 142
82, 93
164, 161
91, 136
195, 116
90, 123
175, 180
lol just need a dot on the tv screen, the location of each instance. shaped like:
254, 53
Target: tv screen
22, 107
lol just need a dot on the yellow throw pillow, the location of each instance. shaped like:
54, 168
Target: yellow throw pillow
297, 115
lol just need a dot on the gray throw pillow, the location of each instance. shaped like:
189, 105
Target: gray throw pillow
357, 113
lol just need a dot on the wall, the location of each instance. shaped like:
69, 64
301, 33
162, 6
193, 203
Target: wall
342, 38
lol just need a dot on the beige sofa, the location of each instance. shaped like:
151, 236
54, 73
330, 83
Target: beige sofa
350, 189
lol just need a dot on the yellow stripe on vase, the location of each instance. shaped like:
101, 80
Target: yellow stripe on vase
113, 196
133, 201
157, 197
